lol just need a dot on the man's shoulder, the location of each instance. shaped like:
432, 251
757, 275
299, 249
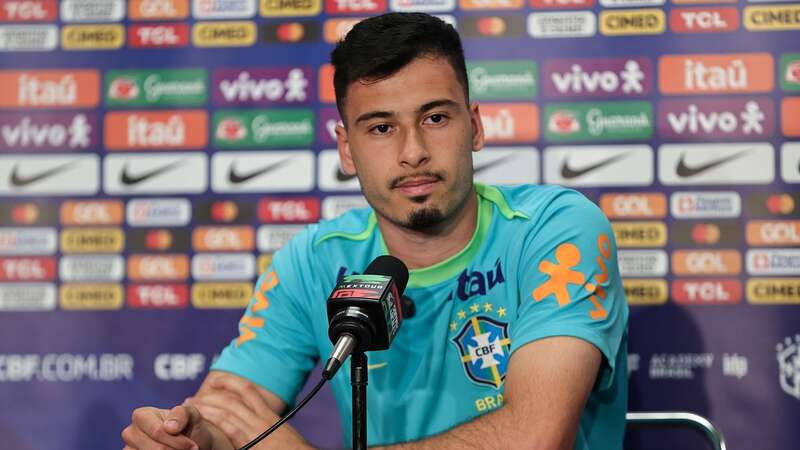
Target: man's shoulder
532, 203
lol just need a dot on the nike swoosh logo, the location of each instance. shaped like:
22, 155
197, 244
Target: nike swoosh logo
376, 366
18, 180
491, 164
129, 180
238, 178
341, 176
568, 172
685, 171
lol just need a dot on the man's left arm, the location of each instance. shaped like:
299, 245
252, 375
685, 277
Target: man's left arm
546, 387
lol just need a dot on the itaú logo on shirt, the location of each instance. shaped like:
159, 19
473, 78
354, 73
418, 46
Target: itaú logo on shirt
471, 283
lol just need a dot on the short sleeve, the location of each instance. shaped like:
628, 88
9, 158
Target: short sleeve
276, 348
569, 280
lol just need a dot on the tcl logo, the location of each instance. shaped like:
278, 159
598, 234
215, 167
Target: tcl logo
699, 20
773, 232
158, 296
161, 35
27, 11
27, 269
179, 366
289, 210
634, 205
354, 6
706, 291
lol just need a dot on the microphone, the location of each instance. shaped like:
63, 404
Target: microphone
365, 311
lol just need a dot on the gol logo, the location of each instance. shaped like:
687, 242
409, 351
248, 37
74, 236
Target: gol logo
632, 22
773, 232
510, 122
92, 37
28, 11
49, 88
770, 18
237, 238
790, 114
90, 296
640, 234
716, 74
97, 212
706, 262
706, 291
224, 34
334, 30
135, 130
221, 296
639, 205
645, 291
158, 267
158, 296
704, 20
92, 240
282, 8
158, 9
773, 290
158, 35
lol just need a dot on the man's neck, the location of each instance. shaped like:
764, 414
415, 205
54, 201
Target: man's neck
419, 249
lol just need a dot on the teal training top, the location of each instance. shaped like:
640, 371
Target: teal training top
542, 262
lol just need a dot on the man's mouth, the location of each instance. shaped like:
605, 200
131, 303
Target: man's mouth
415, 186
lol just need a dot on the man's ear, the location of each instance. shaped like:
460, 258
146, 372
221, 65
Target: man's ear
343, 146
477, 127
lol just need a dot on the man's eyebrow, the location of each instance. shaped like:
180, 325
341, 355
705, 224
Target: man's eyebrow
437, 103
373, 115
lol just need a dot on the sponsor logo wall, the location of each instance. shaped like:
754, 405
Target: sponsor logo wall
155, 154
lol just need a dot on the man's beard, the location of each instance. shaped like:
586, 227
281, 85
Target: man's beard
424, 218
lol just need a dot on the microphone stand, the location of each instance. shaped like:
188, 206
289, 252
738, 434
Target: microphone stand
358, 380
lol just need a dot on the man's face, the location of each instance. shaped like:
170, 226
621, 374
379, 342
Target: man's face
409, 138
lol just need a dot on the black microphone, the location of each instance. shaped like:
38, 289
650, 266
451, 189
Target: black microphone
365, 311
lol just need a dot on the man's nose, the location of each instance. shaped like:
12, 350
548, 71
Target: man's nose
414, 153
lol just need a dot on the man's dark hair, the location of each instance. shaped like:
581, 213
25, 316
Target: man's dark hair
380, 46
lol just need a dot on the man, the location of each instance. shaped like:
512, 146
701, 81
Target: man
518, 340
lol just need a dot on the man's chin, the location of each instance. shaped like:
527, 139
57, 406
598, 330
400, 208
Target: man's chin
422, 219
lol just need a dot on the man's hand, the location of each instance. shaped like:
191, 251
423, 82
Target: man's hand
180, 428
240, 409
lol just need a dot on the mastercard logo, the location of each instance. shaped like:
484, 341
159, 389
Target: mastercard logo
780, 204
290, 32
706, 233
25, 213
491, 26
224, 211
158, 239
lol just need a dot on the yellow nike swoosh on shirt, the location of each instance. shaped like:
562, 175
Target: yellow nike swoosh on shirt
376, 366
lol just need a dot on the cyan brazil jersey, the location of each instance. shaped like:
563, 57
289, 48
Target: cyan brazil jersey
542, 262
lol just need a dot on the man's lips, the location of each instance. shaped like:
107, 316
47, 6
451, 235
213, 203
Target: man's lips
417, 186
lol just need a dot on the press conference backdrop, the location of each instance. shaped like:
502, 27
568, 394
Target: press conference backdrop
154, 155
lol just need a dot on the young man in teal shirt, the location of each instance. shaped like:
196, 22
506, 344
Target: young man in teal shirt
519, 335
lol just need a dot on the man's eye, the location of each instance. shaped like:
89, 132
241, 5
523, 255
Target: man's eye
381, 129
436, 119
